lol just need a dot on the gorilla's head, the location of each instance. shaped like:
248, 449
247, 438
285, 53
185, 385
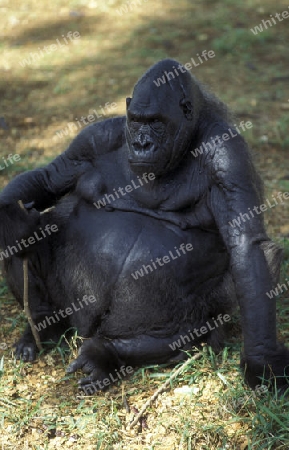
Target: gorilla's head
161, 117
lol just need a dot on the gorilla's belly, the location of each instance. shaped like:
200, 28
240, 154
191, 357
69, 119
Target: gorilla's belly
126, 245
143, 271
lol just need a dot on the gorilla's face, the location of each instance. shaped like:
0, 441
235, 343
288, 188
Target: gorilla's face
157, 131
150, 139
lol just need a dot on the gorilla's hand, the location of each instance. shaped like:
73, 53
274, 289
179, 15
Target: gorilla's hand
25, 347
274, 369
17, 224
98, 359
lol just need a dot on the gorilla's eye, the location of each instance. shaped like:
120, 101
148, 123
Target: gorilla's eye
156, 124
134, 119
153, 121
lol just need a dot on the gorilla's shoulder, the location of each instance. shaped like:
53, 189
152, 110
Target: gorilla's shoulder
114, 124
229, 156
107, 135
98, 138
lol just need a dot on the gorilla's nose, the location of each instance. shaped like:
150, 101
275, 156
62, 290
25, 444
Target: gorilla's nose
143, 143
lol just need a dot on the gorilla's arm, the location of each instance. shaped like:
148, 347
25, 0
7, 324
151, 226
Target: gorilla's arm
44, 186
235, 189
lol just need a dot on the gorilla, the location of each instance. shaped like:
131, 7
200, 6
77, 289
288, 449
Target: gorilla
144, 229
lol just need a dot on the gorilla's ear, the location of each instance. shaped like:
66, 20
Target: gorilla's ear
128, 100
187, 108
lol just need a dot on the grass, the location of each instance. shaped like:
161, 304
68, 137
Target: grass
208, 406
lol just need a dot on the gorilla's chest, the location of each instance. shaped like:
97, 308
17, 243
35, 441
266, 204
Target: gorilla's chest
179, 198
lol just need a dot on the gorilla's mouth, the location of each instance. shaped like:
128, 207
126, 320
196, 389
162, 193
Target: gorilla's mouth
142, 154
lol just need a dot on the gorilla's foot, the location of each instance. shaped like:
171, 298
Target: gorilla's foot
98, 359
272, 369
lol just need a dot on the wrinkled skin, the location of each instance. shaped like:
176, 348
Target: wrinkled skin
189, 200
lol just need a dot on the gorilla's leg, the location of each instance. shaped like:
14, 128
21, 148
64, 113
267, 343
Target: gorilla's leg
101, 357
41, 308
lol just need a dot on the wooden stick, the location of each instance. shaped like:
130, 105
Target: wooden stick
25, 296
162, 388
